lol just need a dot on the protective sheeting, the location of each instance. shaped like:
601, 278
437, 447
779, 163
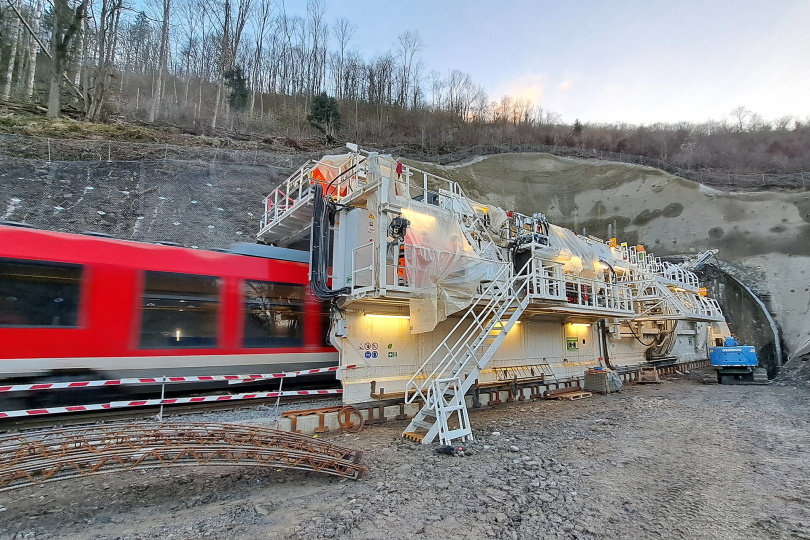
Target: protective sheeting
441, 266
577, 256
497, 218
330, 167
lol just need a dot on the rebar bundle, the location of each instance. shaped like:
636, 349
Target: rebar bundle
58, 454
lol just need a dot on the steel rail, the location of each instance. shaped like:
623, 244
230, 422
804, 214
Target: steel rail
57, 454
26, 423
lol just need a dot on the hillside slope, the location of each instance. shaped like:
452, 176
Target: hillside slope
765, 236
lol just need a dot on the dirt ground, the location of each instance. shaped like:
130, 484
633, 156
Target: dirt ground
676, 460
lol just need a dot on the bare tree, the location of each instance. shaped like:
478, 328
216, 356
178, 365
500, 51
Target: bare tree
740, 115
261, 23
224, 59
316, 58
157, 91
36, 16
782, 123
408, 46
343, 31
65, 23
437, 87
106, 45
15, 39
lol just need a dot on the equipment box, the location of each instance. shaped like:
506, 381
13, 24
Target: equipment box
602, 381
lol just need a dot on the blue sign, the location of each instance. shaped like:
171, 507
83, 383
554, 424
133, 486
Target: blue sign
368, 354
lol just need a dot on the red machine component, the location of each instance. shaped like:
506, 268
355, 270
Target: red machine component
79, 304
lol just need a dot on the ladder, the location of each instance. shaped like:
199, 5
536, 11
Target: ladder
444, 378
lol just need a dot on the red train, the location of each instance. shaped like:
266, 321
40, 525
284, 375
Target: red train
92, 307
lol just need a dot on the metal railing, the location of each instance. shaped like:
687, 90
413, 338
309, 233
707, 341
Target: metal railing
458, 348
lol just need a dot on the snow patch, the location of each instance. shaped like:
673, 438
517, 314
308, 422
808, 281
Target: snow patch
709, 190
464, 163
13, 203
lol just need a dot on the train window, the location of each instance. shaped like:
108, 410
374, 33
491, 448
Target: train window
274, 314
179, 311
39, 293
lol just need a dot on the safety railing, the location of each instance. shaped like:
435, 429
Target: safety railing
647, 263
363, 271
446, 356
286, 196
409, 268
598, 294
546, 280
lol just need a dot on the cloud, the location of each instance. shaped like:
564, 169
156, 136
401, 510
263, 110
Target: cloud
529, 86
565, 85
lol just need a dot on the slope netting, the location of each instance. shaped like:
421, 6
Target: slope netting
47, 149
206, 205
285, 158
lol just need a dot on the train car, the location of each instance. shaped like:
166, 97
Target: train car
81, 306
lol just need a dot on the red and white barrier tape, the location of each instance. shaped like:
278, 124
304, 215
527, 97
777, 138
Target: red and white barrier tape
161, 380
165, 401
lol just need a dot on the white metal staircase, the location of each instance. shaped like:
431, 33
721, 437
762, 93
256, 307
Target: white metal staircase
444, 378
655, 300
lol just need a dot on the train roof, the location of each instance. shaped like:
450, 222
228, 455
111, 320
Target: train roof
269, 252
241, 248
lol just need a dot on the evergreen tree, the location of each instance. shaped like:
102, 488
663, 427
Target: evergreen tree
324, 115
236, 82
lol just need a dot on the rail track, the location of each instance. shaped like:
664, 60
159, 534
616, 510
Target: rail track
10, 425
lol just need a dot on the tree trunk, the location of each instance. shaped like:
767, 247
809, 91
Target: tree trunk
54, 95
32, 52
15, 38
216, 103
82, 48
55, 88
198, 108
164, 45
66, 23
185, 92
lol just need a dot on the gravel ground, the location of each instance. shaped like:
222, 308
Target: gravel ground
251, 414
676, 460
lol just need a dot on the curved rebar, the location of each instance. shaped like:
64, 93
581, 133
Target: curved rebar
59, 454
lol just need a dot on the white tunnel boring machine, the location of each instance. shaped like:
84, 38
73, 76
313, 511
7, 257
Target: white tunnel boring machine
433, 292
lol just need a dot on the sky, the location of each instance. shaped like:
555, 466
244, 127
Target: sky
634, 61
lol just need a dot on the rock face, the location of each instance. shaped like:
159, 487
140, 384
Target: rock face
763, 236
194, 204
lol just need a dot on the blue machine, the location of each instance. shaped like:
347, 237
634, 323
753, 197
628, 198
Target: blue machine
732, 354
736, 364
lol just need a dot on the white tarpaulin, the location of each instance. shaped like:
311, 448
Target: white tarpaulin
576, 256
441, 265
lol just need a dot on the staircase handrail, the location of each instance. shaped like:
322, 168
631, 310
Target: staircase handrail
414, 390
443, 346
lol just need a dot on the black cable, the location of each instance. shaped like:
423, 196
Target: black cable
602, 326
650, 344
323, 217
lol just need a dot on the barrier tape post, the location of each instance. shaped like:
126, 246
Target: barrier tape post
162, 398
278, 399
